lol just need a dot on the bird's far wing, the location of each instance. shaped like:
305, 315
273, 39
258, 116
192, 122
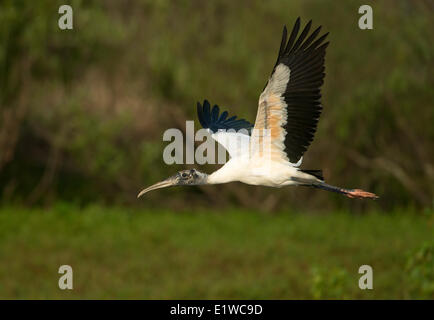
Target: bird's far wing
236, 143
290, 104
232, 133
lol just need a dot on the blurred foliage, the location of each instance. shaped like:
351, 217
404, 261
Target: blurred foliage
130, 253
420, 267
82, 111
329, 284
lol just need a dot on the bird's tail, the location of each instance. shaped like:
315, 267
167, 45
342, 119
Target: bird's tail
350, 193
316, 173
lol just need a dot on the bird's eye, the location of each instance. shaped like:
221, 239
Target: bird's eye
184, 175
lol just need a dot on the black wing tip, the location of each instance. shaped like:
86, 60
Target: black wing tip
323, 46
214, 120
200, 115
298, 42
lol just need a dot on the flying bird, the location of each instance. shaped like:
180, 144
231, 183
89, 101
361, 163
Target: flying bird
288, 112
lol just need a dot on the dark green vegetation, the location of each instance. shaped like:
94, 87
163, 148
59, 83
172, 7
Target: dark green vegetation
82, 112
124, 253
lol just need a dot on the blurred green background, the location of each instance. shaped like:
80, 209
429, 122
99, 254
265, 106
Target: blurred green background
83, 111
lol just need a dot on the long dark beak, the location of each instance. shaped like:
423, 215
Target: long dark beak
169, 182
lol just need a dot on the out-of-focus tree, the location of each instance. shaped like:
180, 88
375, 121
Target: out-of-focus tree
82, 111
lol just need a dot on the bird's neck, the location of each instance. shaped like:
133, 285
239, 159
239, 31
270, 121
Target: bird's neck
220, 176
203, 179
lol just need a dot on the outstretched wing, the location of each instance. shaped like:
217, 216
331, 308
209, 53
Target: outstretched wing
232, 133
290, 104
214, 121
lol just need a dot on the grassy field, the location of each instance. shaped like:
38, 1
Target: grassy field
126, 253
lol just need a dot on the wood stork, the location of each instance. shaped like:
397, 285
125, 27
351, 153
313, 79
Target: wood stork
289, 109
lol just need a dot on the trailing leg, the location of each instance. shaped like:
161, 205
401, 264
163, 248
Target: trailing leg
350, 193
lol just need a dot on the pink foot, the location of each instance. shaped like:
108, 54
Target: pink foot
360, 194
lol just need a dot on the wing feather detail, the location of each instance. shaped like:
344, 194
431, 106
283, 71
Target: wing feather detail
289, 106
210, 119
232, 133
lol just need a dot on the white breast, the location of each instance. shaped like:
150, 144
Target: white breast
255, 172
